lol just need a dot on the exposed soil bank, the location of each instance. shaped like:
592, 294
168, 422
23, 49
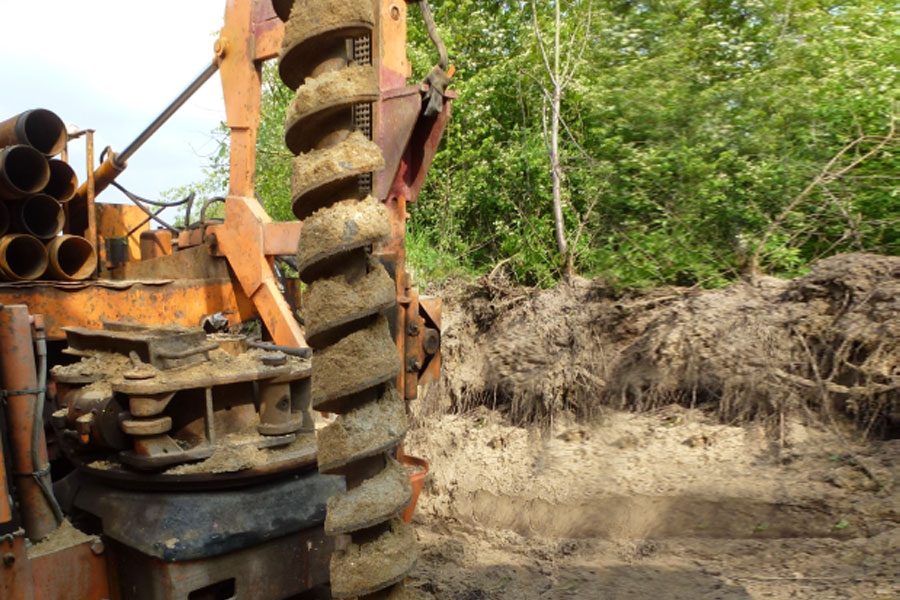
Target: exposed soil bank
827, 344
676, 444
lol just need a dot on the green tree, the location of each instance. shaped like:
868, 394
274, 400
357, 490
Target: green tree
699, 140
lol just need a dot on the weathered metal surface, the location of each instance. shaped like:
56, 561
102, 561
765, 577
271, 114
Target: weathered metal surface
101, 410
189, 525
72, 258
63, 182
8, 522
156, 243
241, 86
241, 239
16, 581
39, 128
399, 111
22, 258
183, 414
154, 302
430, 308
276, 569
163, 347
394, 65
4, 219
120, 221
420, 152
40, 216
268, 26
78, 571
19, 379
23, 171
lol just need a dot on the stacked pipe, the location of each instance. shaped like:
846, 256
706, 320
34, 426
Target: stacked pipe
33, 188
326, 59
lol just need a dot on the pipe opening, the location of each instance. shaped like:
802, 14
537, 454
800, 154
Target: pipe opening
63, 180
44, 130
25, 169
25, 257
73, 256
42, 216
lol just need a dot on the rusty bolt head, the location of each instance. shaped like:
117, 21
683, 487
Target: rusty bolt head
432, 341
413, 365
97, 547
412, 328
8, 559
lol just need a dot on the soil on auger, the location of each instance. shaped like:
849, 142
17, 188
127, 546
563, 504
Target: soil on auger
738, 443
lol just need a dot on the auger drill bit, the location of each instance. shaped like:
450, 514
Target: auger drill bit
326, 59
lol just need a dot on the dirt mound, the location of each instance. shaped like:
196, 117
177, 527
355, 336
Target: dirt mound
821, 345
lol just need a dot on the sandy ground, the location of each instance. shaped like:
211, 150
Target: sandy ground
668, 504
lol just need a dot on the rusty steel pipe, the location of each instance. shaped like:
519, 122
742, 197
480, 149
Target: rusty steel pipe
23, 171
63, 180
22, 257
72, 258
40, 215
20, 380
4, 219
39, 128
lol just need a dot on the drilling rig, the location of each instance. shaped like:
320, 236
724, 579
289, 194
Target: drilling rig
150, 448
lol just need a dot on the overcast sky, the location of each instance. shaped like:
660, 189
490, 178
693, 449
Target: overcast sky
113, 66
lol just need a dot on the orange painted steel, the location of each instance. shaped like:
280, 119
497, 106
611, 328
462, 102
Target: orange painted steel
19, 379
16, 582
242, 238
117, 221
6, 514
416, 478
155, 243
242, 87
152, 302
75, 572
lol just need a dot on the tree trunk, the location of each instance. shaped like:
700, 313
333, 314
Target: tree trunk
555, 168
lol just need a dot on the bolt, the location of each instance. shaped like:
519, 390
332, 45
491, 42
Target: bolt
432, 341
97, 547
8, 559
395, 12
273, 359
413, 328
220, 47
413, 365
